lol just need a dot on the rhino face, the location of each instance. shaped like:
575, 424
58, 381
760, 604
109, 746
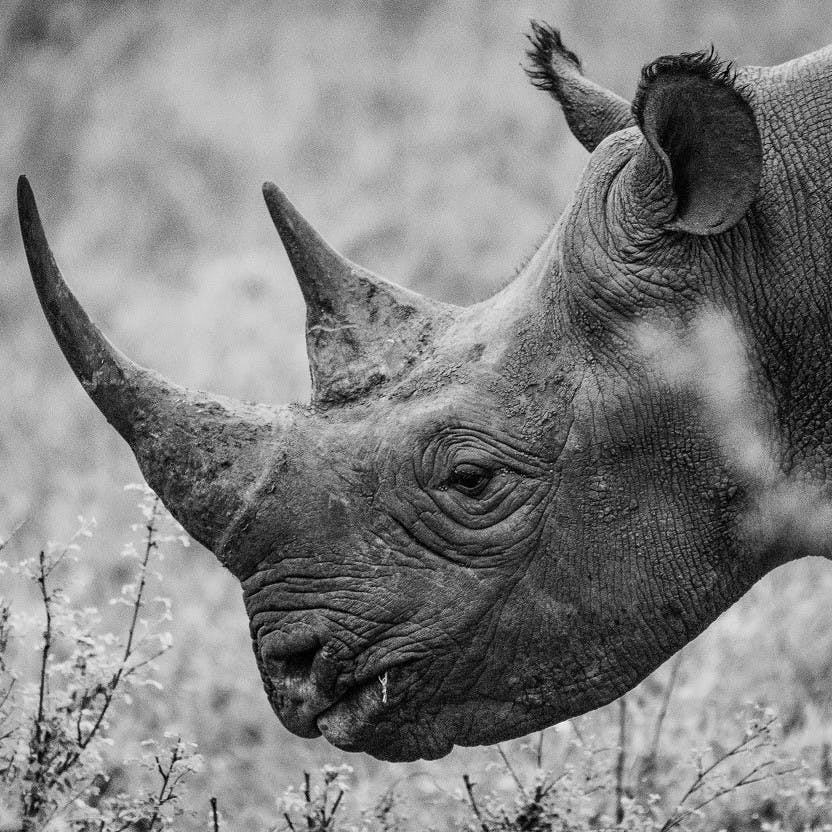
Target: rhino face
491, 547
494, 518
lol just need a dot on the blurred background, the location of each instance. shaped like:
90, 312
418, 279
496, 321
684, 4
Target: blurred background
408, 134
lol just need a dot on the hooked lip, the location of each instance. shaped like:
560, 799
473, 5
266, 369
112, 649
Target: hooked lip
303, 706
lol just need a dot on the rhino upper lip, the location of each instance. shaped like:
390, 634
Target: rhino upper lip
309, 702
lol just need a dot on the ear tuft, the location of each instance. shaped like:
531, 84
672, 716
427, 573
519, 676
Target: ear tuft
592, 112
705, 65
546, 46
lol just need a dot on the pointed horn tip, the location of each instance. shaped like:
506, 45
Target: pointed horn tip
273, 195
26, 205
23, 185
277, 203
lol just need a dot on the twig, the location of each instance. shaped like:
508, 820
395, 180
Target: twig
47, 637
32, 803
334, 808
469, 787
12, 533
214, 816
746, 780
7, 693
573, 723
310, 821
701, 779
512, 772
123, 670
660, 716
167, 786
622, 754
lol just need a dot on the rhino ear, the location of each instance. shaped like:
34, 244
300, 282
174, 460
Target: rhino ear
702, 132
592, 112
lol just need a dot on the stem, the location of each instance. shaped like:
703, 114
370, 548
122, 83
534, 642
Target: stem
33, 800
622, 754
310, 821
668, 691
214, 816
512, 772
162, 799
150, 544
469, 787
334, 808
701, 778
122, 670
47, 638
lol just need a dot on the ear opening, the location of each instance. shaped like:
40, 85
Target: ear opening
704, 133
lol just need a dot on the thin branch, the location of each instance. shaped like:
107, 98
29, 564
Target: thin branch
123, 670
12, 533
746, 780
469, 787
701, 779
162, 799
512, 772
7, 693
32, 802
150, 544
743, 745
335, 805
310, 821
660, 716
621, 759
47, 637
214, 816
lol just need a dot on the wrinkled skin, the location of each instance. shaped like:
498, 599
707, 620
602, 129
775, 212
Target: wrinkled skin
516, 521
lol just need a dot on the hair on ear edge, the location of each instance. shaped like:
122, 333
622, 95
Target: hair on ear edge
705, 65
544, 43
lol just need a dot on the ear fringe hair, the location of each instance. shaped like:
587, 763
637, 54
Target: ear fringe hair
705, 65
544, 43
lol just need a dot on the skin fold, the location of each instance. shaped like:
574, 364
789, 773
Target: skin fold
494, 518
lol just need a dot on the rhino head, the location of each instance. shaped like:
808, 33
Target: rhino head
490, 519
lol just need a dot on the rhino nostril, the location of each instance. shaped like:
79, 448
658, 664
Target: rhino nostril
298, 658
300, 664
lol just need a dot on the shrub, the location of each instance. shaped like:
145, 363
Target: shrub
54, 722
59, 770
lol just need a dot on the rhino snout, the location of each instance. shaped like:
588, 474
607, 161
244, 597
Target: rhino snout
302, 678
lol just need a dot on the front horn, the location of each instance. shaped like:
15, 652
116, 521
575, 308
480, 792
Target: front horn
202, 454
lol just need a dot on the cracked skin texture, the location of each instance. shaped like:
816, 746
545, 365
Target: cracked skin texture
501, 509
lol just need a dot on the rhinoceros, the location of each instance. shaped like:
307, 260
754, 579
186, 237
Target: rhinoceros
493, 518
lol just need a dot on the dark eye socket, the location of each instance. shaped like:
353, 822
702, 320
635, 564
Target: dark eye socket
470, 479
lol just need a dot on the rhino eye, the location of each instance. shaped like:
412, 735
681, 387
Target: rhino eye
469, 479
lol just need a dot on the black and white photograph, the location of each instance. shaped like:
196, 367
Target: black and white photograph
413, 416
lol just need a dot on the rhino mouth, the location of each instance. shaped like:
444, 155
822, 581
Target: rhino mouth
358, 711
349, 719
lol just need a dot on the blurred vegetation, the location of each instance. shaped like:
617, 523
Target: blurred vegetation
67, 681
408, 134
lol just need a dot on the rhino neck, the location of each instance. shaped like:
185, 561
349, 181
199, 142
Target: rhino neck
788, 304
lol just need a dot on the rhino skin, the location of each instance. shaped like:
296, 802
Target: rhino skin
502, 510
